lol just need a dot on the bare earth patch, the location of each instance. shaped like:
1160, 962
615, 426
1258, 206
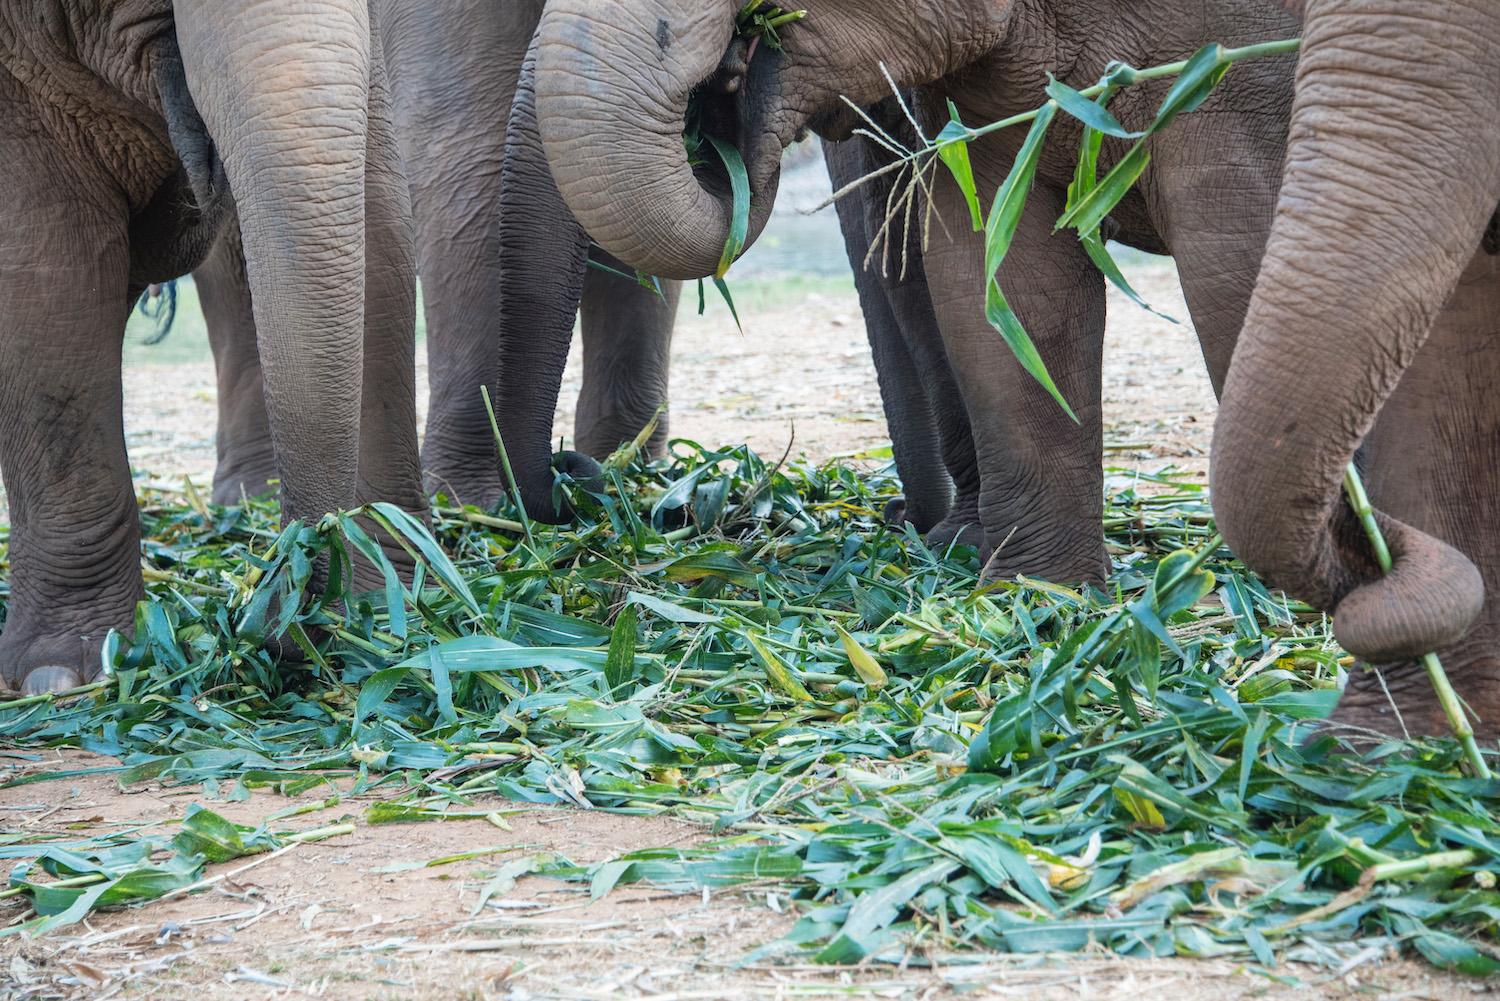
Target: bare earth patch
350, 918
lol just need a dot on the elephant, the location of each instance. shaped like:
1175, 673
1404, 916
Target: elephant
611, 104
131, 132
453, 66
1375, 325
925, 416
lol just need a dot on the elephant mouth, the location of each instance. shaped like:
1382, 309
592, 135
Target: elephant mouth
733, 106
636, 152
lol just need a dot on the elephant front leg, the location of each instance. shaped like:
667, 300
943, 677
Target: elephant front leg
390, 469
544, 256
246, 464
627, 350
75, 526
1432, 460
1041, 497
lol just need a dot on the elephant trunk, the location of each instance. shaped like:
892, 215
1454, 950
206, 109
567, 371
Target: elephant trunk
283, 87
612, 97
1381, 208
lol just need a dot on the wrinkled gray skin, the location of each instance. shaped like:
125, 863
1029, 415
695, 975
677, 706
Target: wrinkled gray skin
1380, 294
924, 414
120, 142
614, 78
453, 66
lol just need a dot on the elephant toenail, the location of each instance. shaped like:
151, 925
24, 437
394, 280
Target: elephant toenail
52, 678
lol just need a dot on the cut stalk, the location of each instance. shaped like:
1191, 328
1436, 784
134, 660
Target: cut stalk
1458, 720
510, 477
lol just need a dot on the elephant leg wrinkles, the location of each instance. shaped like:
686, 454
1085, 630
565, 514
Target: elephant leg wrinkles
627, 350
1041, 499
1432, 460
246, 465
75, 534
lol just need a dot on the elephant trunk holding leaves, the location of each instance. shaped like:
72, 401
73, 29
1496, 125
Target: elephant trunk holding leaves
1376, 325
615, 80
124, 128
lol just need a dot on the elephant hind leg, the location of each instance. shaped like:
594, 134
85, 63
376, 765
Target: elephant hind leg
627, 348
246, 465
75, 534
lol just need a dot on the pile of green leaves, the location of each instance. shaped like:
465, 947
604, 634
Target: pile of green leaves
922, 760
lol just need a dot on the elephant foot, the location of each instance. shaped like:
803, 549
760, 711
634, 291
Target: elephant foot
961, 526
1071, 566
1405, 704
238, 477
1398, 701
36, 663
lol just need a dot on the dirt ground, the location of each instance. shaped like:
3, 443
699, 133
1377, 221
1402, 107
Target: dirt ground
350, 918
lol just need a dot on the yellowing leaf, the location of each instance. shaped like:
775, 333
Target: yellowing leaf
778, 673
865, 666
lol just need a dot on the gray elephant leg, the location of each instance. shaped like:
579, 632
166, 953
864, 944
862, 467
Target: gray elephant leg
627, 349
1432, 460
75, 528
389, 467
541, 286
1215, 218
246, 462
928, 491
453, 69
928, 423
1042, 483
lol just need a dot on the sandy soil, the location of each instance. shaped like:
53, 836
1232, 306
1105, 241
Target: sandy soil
349, 918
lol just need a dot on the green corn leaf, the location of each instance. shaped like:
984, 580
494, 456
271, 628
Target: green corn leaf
410, 531
1004, 319
723, 288
375, 692
739, 225
1010, 199
205, 833
1193, 85
864, 664
1100, 255
619, 668
1101, 200
953, 149
777, 672
1090, 113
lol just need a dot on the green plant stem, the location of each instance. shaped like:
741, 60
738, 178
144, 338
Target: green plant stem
32, 700
1458, 720
320, 833
1422, 866
503, 524
87, 879
1152, 73
510, 477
